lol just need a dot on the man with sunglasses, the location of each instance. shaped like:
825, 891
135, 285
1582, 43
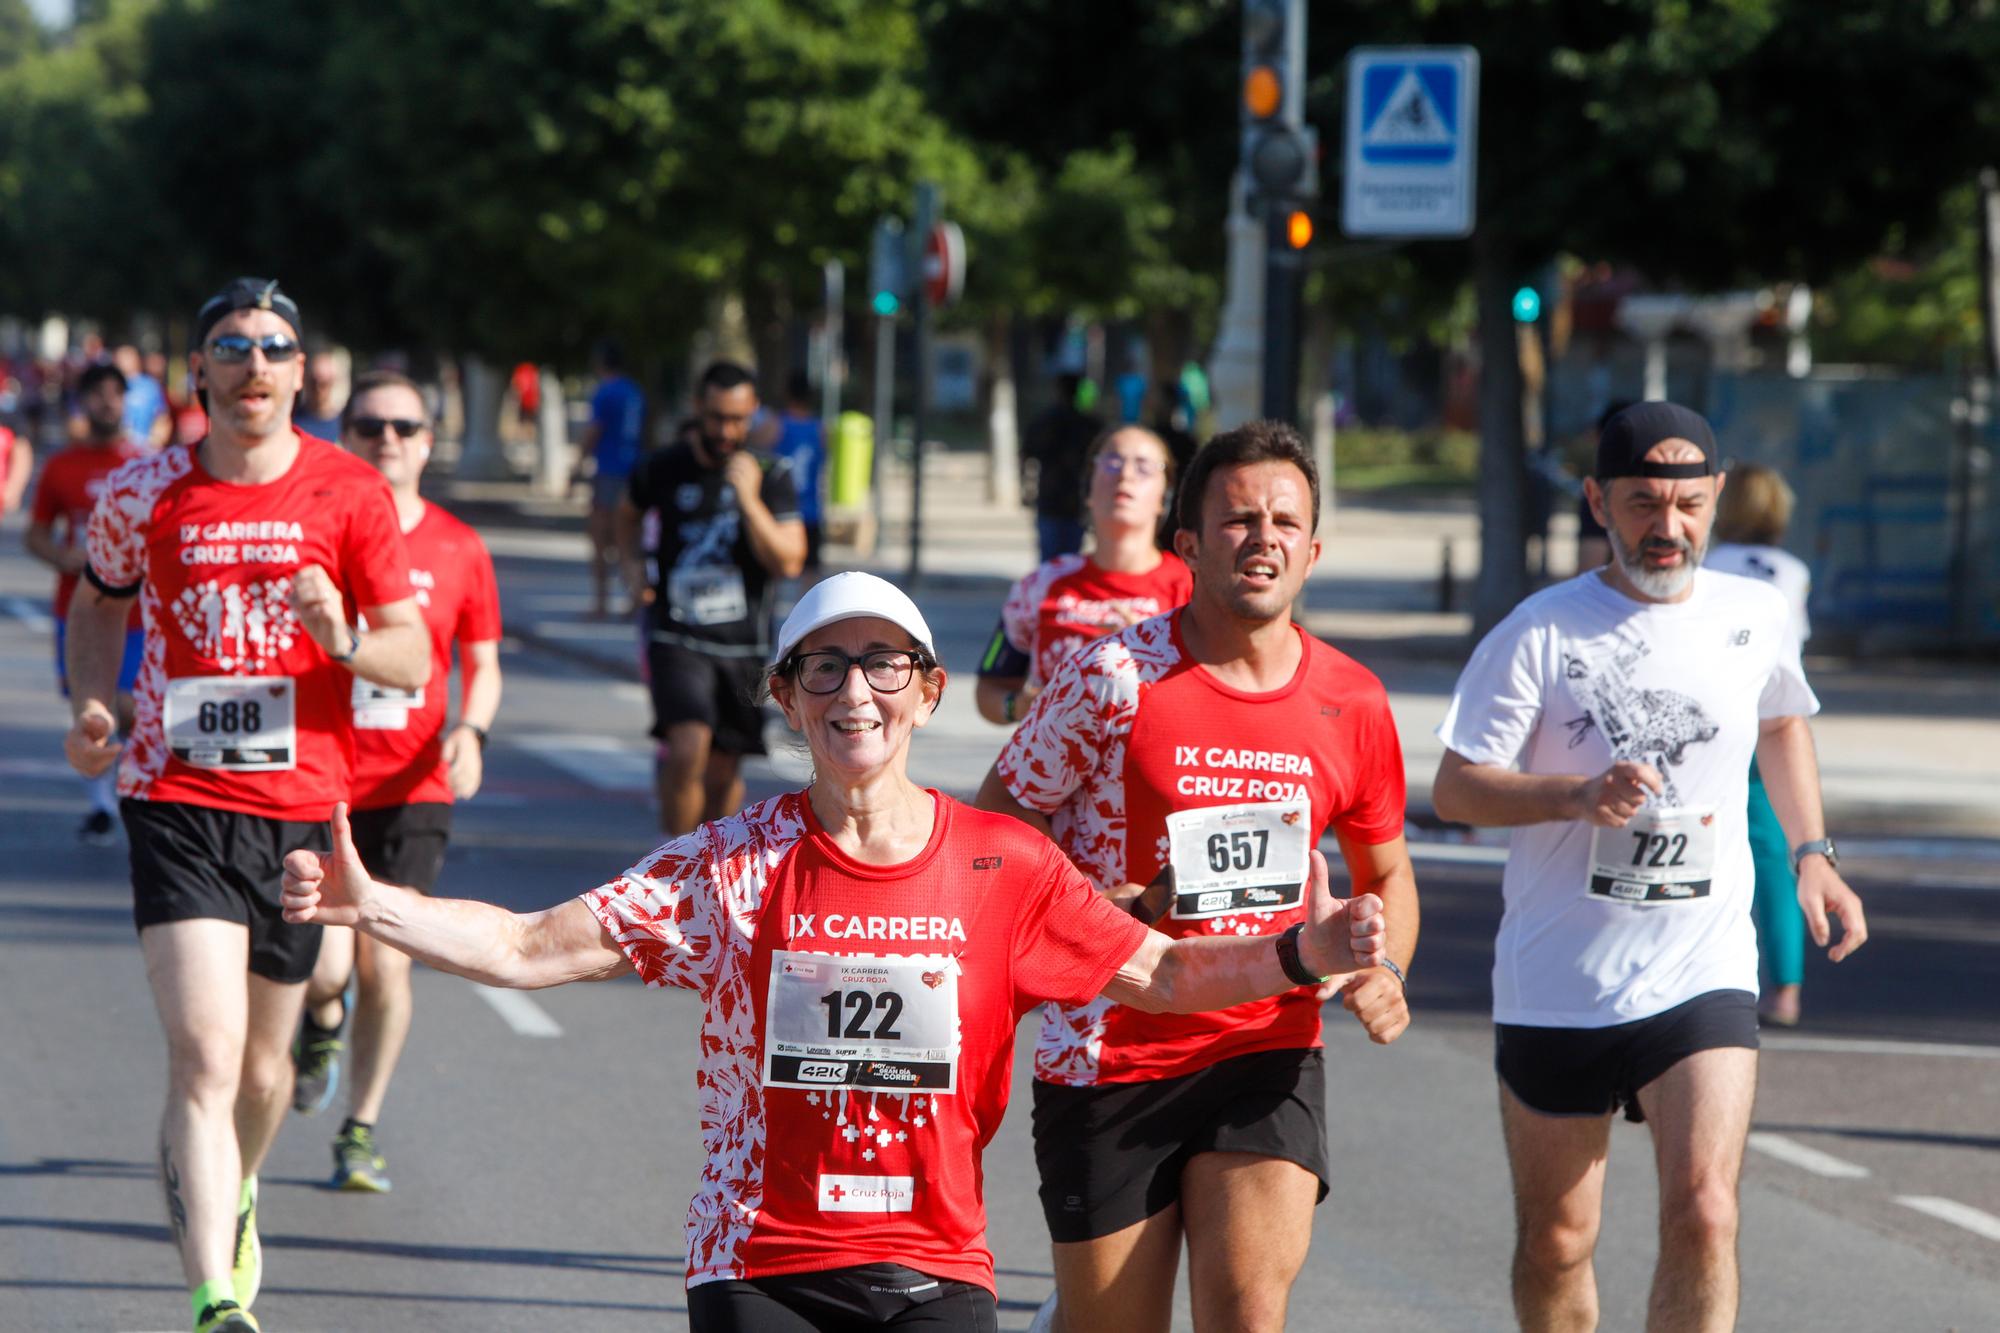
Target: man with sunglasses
1189, 765
256, 553
729, 529
408, 768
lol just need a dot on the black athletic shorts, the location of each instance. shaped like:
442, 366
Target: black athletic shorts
815, 542
839, 1299
718, 692
403, 844
1593, 1071
1111, 1156
192, 863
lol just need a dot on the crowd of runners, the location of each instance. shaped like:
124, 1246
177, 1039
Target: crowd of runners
1143, 861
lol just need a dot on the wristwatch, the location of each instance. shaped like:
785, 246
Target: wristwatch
1821, 846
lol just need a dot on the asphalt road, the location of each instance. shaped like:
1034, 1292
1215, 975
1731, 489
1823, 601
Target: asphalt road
543, 1152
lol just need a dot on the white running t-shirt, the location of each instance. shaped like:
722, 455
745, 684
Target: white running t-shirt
1773, 565
1603, 926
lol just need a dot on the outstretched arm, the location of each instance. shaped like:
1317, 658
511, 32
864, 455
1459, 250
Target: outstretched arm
472, 939
1197, 974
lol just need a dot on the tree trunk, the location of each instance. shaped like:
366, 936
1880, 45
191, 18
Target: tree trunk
481, 458
1003, 434
1503, 474
553, 462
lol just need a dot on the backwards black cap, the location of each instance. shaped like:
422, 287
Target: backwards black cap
247, 294
1628, 436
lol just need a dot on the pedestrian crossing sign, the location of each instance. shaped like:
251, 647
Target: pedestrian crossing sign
1412, 141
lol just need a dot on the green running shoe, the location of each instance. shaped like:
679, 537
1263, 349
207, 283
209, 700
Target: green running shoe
316, 1058
356, 1164
226, 1317
248, 1273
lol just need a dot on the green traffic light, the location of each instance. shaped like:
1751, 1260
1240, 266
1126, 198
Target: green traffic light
1527, 305
886, 304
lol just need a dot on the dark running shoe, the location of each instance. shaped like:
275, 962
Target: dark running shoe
316, 1057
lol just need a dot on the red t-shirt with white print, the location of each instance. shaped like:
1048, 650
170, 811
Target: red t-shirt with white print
858, 1025
1131, 741
237, 708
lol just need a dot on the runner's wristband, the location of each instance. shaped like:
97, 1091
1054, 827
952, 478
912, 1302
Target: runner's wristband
478, 734
1390, 964
352, 648
1007, 706
1288, 958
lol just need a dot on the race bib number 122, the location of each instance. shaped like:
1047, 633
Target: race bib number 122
880, 1024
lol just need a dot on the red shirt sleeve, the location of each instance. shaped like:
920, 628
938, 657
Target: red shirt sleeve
375, 561
479, 613
52, 496
1069, 940
665, 913
1377, 810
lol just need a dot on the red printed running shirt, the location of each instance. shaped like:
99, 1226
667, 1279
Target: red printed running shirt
1070, 600
237, 708
858, 1025
1137, 755
64, 497
399, 734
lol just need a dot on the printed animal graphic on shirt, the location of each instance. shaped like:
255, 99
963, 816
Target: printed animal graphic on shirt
1648, 725
710, 541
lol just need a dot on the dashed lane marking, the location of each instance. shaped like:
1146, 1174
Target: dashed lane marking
1807, 1159
1977, 1221
29, 614
520, 1013
1784, 1041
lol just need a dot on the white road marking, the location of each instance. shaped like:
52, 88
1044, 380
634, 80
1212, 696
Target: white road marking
1808, 1159
608, 763
1784, 1041
1460, 853
35, 768
1976, 1221
25, 611
522, 1014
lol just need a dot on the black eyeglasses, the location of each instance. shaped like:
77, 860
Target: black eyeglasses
371, 428
825, 671
232, 349
1114, 464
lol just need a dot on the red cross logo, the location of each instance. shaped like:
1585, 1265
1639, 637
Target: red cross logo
837, 1193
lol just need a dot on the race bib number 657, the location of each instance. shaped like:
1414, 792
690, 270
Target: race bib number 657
881, 1024
1239, 858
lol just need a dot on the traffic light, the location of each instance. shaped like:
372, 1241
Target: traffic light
1527, 305
888, 269
1280, 153
1298, 229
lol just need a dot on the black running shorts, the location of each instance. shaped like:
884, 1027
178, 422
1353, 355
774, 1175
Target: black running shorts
192, 863
1594, 1071
403, 844
868, 1296
1111, 1156
718, 692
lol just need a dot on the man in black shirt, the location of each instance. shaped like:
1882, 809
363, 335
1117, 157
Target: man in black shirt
1058, 439
729, 529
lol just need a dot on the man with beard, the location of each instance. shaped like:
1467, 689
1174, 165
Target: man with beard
1189, 765
1610, 721
254, 552
729, 529
63, 499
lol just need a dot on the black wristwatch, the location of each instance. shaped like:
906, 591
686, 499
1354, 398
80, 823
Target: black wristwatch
478, 734
1288, 958
1818, 846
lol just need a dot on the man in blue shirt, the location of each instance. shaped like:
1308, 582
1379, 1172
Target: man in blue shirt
802, 443
613, 441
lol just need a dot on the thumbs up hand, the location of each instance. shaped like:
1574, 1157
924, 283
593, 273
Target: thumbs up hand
327, 889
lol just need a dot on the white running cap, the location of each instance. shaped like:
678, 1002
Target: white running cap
850, 596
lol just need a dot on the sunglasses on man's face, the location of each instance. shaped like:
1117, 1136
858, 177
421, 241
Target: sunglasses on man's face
371, 428
233, 349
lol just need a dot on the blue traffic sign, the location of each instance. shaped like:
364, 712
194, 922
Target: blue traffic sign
1412, 141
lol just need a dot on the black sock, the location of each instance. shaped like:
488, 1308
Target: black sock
352, 1124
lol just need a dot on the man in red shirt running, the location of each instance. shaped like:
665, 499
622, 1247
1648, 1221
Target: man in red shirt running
253, 552
63, 498
1188, 765
408, 768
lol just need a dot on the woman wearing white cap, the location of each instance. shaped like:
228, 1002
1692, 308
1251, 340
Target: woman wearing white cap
865, 948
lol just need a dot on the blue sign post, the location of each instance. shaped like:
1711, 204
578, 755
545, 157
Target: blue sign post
1412, 141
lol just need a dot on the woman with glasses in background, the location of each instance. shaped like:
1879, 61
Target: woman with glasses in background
864, 949
1126, 577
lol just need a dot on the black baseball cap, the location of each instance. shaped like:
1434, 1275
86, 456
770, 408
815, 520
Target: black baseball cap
1627, 437
247, 294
